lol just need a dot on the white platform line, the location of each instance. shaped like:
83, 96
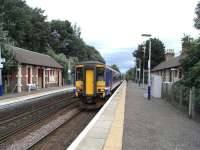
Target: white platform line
82, 135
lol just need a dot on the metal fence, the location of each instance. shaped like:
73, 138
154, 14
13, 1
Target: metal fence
184, 98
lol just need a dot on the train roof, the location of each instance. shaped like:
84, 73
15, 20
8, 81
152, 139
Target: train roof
98, 62
110, 68
91, 62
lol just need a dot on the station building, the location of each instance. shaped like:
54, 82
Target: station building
170, 70
34, 68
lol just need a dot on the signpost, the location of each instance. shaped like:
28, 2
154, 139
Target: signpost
2, 60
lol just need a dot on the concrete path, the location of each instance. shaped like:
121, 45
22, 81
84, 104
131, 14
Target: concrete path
156, 125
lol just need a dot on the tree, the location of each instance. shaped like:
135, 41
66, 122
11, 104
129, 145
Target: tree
130, 74
26, 26
157, 53
114, 66
29, 29
191, 65
187, 41
6, 50
61, 58
197, 18
66, 39
191, 61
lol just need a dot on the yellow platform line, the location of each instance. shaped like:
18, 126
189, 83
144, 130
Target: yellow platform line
114, 139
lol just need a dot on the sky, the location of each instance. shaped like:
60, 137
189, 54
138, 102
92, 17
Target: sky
114, 27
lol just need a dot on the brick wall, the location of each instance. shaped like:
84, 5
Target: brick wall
35, 74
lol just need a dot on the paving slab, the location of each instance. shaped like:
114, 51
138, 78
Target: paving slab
156, 125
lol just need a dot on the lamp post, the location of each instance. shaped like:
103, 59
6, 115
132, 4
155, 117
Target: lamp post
149, 67
144, 48
136, 71
69, 72
139, 69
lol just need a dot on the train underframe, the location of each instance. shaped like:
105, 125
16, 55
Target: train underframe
93, 102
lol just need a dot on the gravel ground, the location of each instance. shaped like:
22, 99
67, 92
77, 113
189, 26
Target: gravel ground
27, 137
62, 137
156, 125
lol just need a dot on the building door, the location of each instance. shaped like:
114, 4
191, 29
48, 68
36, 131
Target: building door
40, 78
29, 75
89, 82
58, 72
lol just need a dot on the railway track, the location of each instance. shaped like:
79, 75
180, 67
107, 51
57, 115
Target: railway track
26, 119
52, 126
65, 133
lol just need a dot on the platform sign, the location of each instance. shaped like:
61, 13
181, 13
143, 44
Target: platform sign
2, 60
1, 66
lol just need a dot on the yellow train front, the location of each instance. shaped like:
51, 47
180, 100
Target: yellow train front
94, 81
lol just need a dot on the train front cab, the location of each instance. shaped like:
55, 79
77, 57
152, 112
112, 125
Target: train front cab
90, 81
79, 80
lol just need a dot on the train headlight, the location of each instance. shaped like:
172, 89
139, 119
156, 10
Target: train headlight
101, 90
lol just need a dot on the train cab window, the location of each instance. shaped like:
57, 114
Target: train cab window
100, 74
79, 74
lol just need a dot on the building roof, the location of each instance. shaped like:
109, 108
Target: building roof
23, 56
174, 62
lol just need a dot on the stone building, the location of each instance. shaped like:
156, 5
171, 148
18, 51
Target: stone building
34, 69
170, 70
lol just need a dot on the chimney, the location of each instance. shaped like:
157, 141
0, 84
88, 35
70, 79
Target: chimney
169, 54
184, 50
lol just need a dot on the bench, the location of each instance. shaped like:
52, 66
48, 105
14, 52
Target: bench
31, 87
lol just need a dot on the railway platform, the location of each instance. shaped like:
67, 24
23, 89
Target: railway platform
129, 121
15, 98
106, 129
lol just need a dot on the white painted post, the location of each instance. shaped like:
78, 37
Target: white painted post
19, 82
44, 75
60, 77
31, 74
36, 76
191, 108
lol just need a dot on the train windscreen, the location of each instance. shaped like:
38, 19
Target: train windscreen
79, 74
100, 74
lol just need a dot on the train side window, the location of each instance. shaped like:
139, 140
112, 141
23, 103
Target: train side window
100, 74
79, 74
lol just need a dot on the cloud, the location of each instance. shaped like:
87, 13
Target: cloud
121, 57
112, 25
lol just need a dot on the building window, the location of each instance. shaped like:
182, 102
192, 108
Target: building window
47, 75
180, 74
176, 73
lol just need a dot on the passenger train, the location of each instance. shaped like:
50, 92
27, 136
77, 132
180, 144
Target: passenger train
94, 81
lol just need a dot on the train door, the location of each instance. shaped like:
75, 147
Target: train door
89, 82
